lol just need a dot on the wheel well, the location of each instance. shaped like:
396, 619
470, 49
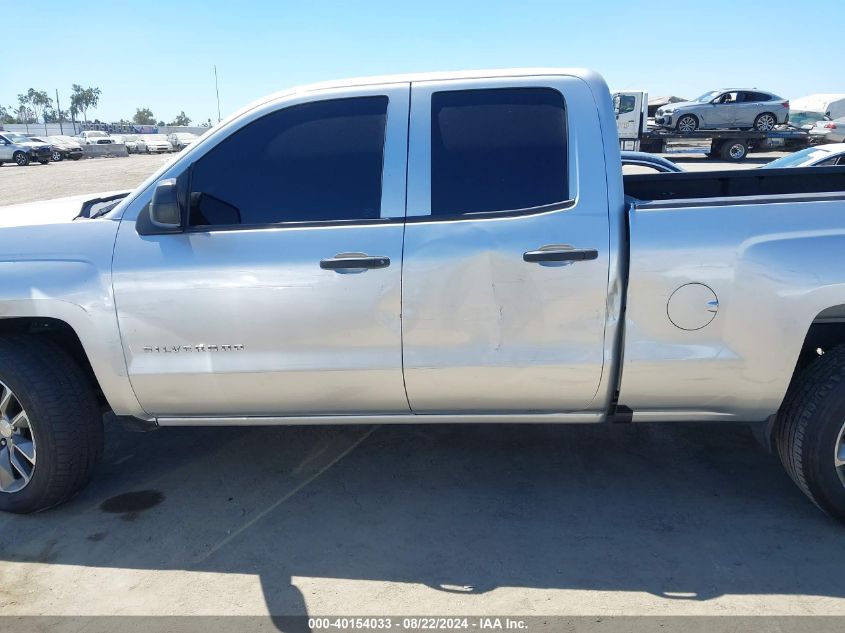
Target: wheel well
61, 334
826, 332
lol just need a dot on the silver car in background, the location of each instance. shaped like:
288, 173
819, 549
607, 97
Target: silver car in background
719, 109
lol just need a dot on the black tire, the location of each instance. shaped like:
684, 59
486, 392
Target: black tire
687, 121
808, 428
44, 162
56, 157
76, 157
734, 150
21, 159
765, 122
64, 418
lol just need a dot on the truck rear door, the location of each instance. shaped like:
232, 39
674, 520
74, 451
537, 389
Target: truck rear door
505, 267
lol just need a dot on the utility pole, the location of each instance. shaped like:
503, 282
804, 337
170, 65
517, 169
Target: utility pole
59, 108
217, 90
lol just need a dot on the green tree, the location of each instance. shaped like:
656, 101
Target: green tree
24, 110
84, 99
181, 119
143, 116
7, 115
40, 103
52, 115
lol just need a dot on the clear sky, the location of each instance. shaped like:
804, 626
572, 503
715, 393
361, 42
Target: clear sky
160, 53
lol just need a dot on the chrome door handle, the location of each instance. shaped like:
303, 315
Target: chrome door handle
354, 261
558, 254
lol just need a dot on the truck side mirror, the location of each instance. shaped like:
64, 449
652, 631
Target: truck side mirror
165, 212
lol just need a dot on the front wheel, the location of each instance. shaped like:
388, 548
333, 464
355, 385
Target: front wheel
810, 432
44, 162
21, 159
51, 432
56, 156
765, 122
687, 123
734, 151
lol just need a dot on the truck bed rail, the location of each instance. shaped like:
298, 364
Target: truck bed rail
724, 184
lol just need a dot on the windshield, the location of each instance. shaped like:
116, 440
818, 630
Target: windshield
806, 118
799, 158
130, 137
186, 136
65, 139
708, 96
97, 134
156, 137
17, 138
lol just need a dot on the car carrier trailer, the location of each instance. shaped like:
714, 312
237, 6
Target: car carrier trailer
635, 133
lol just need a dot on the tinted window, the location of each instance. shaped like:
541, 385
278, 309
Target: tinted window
498, 149
319, 161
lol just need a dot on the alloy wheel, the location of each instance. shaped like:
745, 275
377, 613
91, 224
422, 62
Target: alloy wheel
765, 123
17, 443
839, 455
687, 124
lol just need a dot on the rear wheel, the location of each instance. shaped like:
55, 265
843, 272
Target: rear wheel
687, 123
734, 150
810, 432
51, 432
56, 156
21, 159
765, 122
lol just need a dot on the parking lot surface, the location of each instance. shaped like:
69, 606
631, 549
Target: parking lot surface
69, 178
527, 520
662, 519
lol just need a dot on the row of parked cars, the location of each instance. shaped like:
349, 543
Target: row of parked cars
140, 143
23, 149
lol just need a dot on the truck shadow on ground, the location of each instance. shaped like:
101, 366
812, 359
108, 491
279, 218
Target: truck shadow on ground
684, 512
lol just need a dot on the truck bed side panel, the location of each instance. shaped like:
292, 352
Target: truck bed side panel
773, 266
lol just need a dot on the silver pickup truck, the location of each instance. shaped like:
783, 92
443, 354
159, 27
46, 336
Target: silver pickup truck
443, 248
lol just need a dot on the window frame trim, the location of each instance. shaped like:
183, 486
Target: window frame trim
394, 159
418, 206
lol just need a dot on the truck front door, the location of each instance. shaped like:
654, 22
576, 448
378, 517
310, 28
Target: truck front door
281, 296
505, 272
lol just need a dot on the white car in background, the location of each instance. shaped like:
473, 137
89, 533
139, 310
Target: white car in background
181, 140
832, 131
131, 142
819, 156
93, 137
152, 143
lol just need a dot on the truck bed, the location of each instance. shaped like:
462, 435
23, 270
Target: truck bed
733, 183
